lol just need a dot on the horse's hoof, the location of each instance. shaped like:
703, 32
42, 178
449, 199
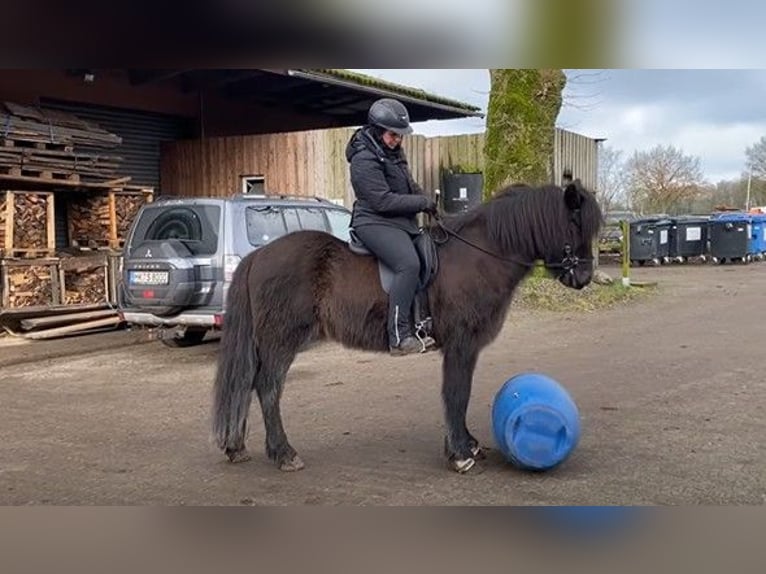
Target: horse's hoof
292, 465
463, 465
478, 452
238, 456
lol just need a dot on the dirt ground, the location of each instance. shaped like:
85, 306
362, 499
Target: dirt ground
670, 389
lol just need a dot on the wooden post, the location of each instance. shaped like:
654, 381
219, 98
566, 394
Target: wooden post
625, 225
6, 294
51, 223
10, 211
112, 219
58, 296
105, 269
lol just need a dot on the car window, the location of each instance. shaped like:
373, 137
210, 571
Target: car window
291, 220
264, 224
196, 226
339, 223
312, 218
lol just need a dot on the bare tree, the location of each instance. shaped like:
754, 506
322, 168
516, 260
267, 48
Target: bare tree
663, 178
611, 178
756, 158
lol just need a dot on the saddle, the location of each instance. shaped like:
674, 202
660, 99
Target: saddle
429, 267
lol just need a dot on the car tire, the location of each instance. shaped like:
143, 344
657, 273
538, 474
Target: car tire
187, 338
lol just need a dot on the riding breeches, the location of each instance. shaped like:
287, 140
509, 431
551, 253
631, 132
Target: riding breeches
394, 247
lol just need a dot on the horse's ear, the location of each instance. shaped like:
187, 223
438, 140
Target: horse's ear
572, 195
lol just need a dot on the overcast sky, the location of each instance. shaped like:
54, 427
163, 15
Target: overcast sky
713, 114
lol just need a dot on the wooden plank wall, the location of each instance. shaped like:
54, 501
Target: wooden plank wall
313, 163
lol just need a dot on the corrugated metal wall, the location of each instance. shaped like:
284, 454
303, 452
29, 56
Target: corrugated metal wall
578, 153
142, 134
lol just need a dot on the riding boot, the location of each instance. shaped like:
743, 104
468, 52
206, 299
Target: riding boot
401, 339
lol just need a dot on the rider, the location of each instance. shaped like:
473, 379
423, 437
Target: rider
384, 213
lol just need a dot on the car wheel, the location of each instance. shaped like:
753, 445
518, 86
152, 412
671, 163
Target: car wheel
186, 338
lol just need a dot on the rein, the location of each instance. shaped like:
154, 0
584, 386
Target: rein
568, 262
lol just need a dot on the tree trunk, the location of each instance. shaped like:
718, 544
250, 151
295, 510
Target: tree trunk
521, 119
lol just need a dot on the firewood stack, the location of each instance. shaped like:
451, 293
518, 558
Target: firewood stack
88, 217
47, 154
28, 286
126, 208
30, 230
84, 280
26, 224
103, 219
48, 145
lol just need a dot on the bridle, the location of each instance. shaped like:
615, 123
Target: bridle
569, 260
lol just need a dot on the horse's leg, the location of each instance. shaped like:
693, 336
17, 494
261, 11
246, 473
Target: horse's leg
461, 448
269, 385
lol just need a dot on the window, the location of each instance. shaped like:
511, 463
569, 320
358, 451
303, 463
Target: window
254, 185
311, 218
291, 220
264, 224
339, 223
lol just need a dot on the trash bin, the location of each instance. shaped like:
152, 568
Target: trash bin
758, 236
731, 237
688, 238
462, 191
649, 240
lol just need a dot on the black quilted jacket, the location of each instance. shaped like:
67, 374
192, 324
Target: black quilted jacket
383, 185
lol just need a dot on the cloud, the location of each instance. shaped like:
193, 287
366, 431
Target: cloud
713, 114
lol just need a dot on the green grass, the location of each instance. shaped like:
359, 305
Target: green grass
543, 293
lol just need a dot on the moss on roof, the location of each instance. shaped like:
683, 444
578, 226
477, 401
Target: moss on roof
369, 81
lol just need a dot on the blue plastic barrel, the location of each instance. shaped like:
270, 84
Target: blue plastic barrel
535, 422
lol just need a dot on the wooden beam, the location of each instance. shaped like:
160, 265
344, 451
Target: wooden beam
143, 77
49, 321
76, 328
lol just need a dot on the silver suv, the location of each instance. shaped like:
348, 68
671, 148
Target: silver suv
180, 255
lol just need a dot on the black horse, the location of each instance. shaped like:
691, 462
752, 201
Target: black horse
307, 286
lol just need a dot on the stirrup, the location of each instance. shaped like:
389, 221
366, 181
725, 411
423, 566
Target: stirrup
421, 333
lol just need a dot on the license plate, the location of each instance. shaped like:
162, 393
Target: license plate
148, 277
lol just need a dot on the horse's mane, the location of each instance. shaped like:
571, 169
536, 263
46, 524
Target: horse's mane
525, 219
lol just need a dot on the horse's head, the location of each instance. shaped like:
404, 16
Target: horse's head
569, 256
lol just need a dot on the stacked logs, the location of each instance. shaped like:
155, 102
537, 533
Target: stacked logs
29, 286
56, 297
103, 219
88, 217
126, 206
84, 280
26, 223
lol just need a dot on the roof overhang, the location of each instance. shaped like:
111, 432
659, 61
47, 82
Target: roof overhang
231, 101
420, 104
322, 98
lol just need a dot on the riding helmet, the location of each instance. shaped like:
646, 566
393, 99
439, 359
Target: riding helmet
390, 114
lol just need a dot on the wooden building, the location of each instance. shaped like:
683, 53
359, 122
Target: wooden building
47, 184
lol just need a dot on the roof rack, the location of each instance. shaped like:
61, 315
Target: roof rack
272, 197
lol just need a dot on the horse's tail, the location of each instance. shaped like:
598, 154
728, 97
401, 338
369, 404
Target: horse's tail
238, 365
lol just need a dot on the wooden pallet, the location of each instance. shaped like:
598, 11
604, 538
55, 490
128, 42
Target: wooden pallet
36, 143
40, 173
28, 253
